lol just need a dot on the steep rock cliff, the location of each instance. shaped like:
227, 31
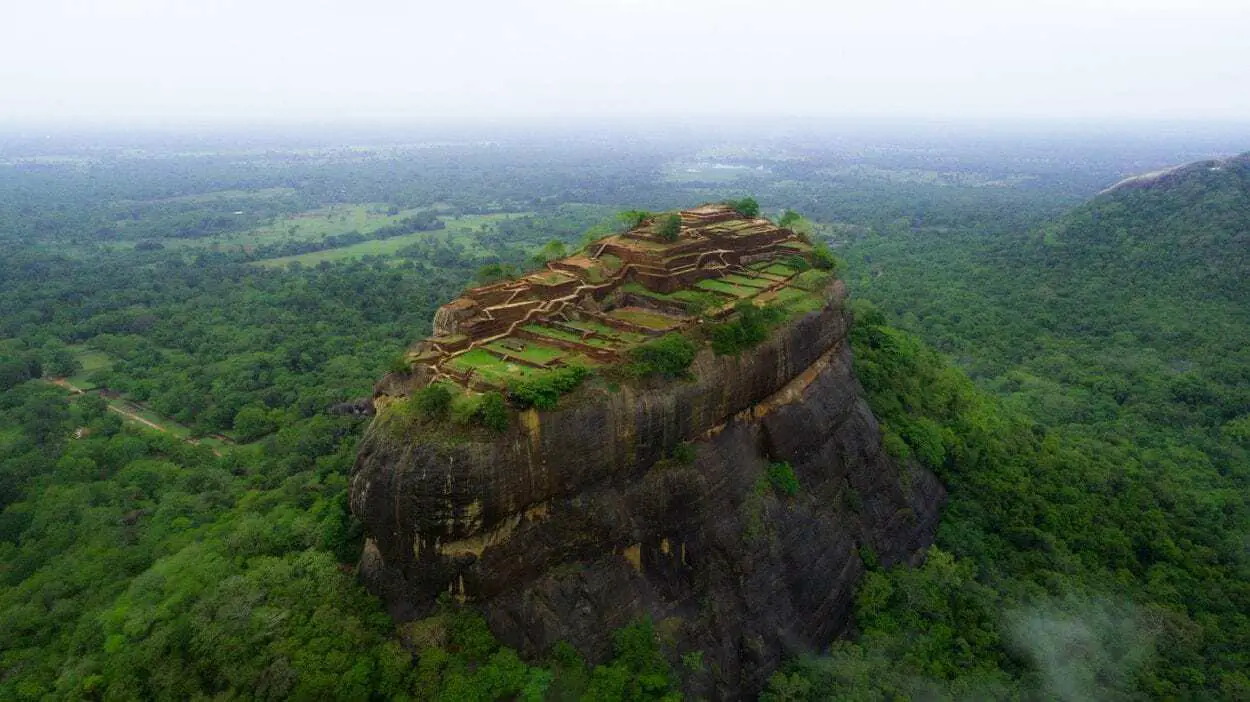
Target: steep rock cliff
574, 523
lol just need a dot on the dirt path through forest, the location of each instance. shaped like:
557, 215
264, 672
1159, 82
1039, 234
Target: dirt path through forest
63, 383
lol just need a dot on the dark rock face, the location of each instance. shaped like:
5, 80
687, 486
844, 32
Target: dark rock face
359, 408
572, 524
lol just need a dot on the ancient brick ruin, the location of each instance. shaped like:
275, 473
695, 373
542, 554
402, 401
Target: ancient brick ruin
589, 308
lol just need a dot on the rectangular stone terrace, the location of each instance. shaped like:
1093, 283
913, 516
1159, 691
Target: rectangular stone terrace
590, 308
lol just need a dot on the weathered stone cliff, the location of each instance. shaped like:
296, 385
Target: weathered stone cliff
574, 523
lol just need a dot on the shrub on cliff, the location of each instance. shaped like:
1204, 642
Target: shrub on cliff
486, 410
669, 356
797, 262
399, 364
823, 258
782, 477
432, 401
811, 280
545, 390
748, 328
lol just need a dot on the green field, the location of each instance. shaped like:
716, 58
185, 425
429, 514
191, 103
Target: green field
91, 361
313, 225
460, 231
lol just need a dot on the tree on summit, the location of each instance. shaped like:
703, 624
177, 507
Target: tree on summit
633, 218
670, 228
747, 206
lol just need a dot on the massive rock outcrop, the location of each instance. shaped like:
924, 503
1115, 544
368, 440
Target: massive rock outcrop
576, 521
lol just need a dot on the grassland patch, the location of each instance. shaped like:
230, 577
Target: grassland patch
460, 231
91, 361
644, 318
721, 286
533, 352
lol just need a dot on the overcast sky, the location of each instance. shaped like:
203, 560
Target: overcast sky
323, 61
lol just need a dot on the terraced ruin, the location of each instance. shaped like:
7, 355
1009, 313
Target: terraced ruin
589, 309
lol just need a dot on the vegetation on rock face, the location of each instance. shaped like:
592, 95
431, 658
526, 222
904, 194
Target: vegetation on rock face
824, 259
669, 356
781, 476
544, 390
747, 329
492, 412
433, 401
812, 280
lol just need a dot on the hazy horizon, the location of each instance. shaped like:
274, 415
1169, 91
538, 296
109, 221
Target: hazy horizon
159, 63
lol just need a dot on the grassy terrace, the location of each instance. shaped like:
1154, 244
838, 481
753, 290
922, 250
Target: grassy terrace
749, 282
720, 286
539, 354
611, 332
552, 277
499, 372
694, 301
490, 367
502, 362
553, 333
644, 318
774, 269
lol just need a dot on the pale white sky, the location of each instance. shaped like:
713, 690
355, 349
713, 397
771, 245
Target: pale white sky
319, 61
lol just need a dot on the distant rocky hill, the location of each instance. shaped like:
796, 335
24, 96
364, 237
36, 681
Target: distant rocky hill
1189, 226
734, 505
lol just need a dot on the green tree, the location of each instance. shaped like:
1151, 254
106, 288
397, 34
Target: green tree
747, 206
789, 218
633, 218
669, 228
669, 356
433, 401
60, 362
253, 422
824, 259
